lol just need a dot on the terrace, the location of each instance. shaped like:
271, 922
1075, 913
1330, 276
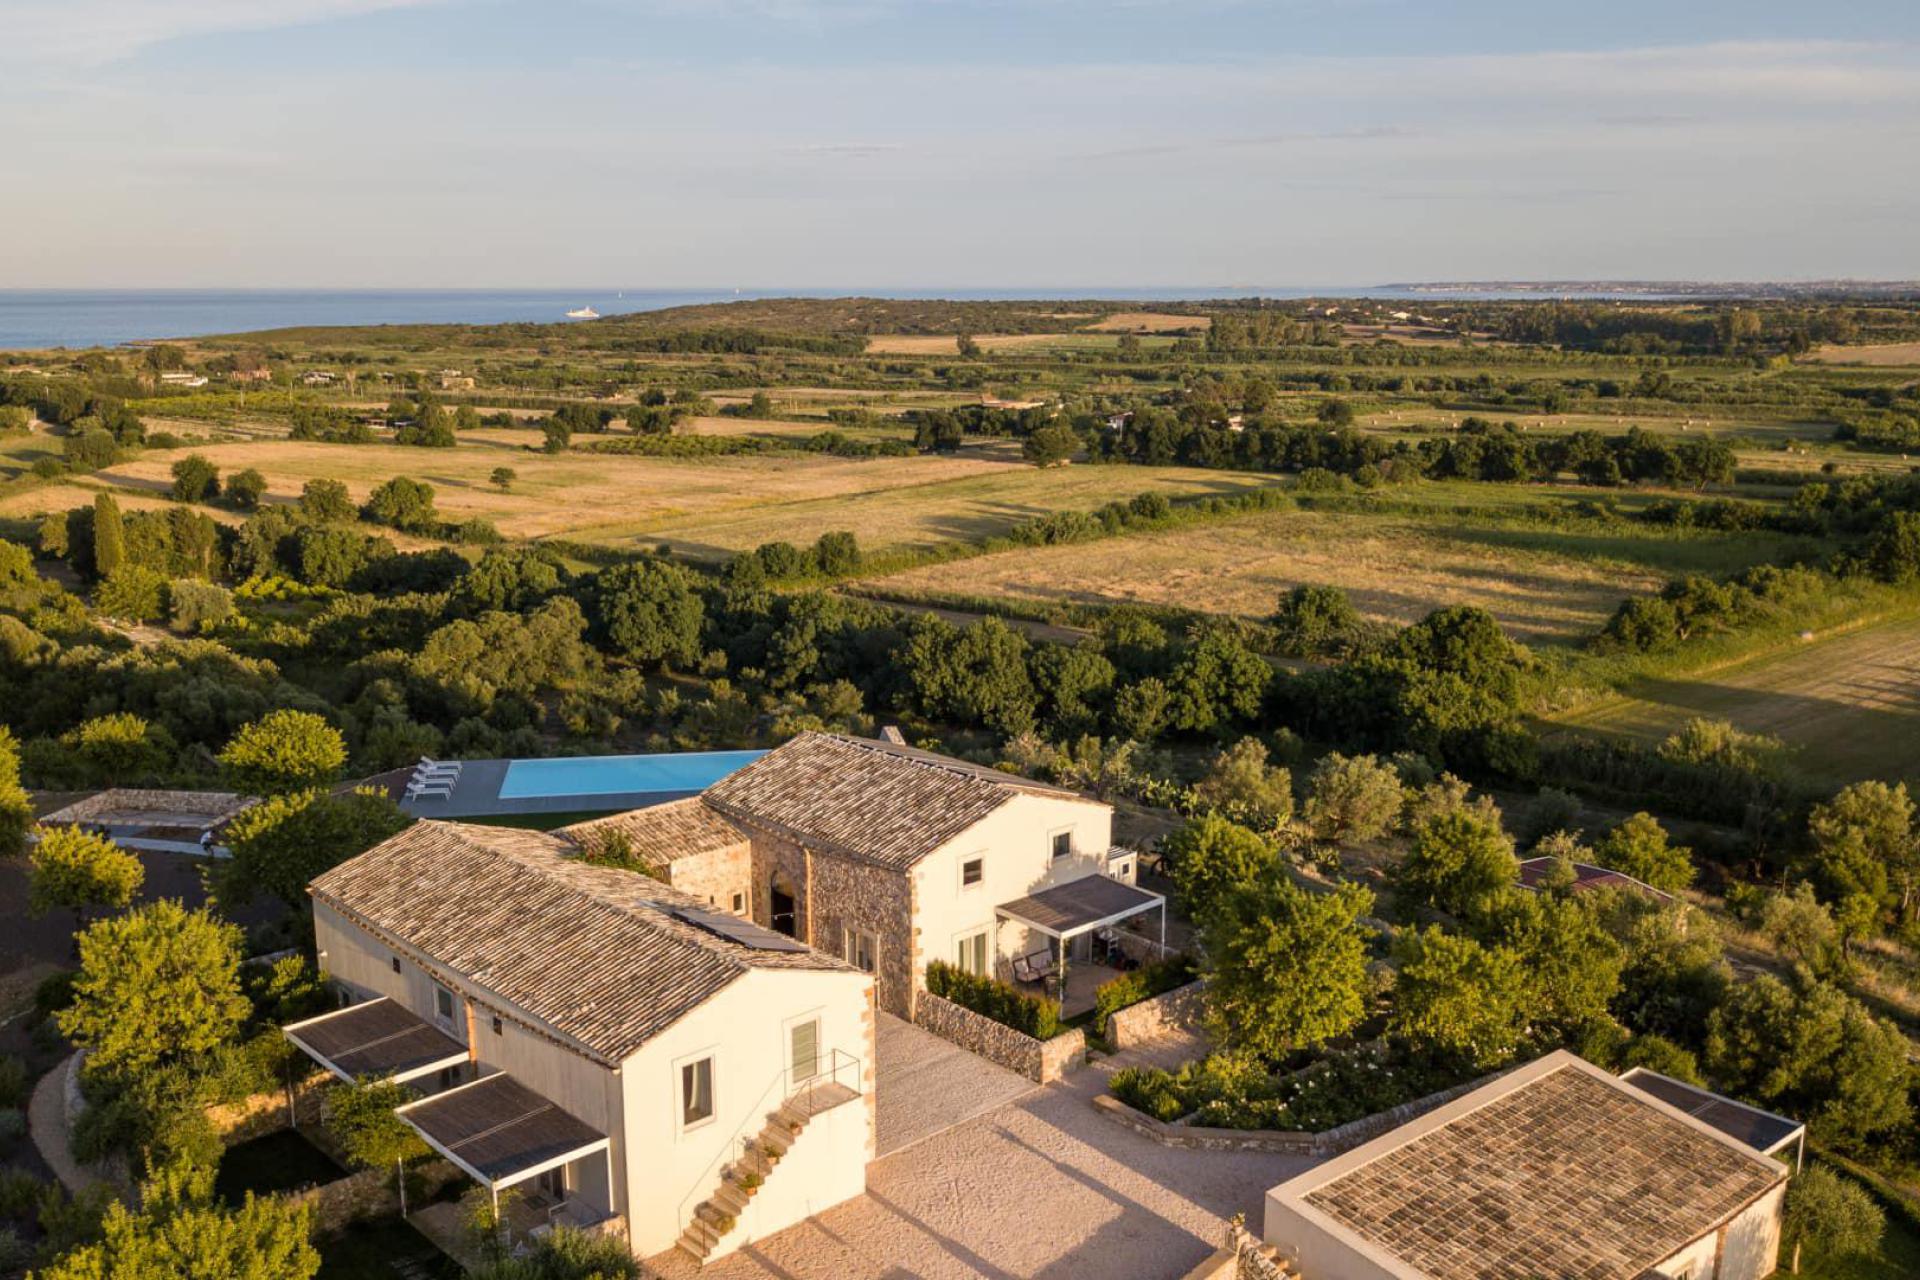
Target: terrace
1093, 928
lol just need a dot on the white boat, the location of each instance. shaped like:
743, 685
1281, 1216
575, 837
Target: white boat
583, 313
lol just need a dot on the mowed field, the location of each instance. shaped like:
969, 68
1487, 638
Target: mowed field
1882, 355
1543, 585
1850, 702
702, 507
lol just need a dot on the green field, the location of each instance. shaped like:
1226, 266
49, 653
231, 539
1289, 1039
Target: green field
1849, 701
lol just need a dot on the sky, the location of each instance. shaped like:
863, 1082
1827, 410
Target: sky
962, 143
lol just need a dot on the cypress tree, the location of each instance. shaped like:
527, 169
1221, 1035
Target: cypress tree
109, 536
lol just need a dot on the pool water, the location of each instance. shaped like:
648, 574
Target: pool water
620, 775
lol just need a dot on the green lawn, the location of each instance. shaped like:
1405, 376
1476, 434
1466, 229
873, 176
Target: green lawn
1899, 1259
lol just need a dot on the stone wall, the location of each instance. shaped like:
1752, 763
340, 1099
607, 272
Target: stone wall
774, 858
1178, 1010
1333, 1142
1042, 1061
716, 875
849, 894
372, 1193
213, 804
1251, 1260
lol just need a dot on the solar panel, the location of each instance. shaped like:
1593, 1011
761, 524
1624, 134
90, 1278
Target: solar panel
734, 929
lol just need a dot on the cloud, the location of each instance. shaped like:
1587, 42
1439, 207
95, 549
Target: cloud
94, 32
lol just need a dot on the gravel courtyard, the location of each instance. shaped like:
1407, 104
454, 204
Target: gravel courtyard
1041, 1187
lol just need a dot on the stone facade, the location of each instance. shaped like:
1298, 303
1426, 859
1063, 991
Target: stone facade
1178, 1010
1042, 1061
716, 876
264, 1113
372, 1193
776, 860
1333, 1142
1250, 1258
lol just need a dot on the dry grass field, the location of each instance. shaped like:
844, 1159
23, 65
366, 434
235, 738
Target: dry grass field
1150, 322
1850, 701
939, 345
1884, 355
1543, 586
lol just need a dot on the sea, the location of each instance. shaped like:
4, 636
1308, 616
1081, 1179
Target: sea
39, 318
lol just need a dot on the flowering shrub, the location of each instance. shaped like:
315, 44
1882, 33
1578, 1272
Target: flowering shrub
1226, 1091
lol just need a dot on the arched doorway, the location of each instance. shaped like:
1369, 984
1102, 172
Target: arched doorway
781, 917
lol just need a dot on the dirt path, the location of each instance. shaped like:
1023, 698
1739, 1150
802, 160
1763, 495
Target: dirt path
47, 1119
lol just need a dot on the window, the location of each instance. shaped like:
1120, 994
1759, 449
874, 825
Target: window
1062, 844
496, 1024
862, 950
739, 904
970, 953
803, 1040
442, 1003
696, 1092
973, 871
396, 963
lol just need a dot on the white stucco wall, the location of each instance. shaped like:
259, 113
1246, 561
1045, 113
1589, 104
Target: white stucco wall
744, 1028
1748, 1249
1016, 841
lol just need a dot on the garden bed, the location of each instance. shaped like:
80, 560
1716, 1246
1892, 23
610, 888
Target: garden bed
1224, 1091
383, 1248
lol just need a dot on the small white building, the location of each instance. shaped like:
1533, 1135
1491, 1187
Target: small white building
1556, 1169
631, 1061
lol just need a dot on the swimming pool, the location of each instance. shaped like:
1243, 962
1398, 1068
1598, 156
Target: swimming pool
684, 771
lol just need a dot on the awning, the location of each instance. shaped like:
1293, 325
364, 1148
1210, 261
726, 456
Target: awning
499, 1131
376, 1038
1073, 908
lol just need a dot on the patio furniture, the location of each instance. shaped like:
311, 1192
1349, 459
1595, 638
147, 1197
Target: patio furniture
429, 767
1036, 967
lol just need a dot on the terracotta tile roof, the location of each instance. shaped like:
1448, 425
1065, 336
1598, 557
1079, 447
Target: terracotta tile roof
868, 798
594, 953
663, 833
1571, 1174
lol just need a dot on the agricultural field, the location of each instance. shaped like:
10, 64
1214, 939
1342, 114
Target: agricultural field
1849, 701
1546, 584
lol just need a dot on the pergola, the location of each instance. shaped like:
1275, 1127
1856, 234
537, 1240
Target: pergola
1066, 911
501, 1133
376, 1038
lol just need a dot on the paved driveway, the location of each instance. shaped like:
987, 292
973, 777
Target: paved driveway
923, 1084
1042, 1187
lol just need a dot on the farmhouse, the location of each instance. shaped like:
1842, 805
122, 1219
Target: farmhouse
183, 379
1555, 1169
890, 858
630, 1061
1536, 872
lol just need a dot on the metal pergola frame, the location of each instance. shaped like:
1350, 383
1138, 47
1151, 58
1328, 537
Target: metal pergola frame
493, 1185
1062, 936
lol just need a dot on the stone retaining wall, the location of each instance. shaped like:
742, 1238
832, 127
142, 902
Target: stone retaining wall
1250, 1259
266, 1113
1176, 1010
1333, 1142
372, 1193
1042, 1061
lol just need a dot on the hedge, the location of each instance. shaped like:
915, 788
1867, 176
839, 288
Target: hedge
992, 998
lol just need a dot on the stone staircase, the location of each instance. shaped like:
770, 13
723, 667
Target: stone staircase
739, 1181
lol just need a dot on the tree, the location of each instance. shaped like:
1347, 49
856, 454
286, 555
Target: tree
1864, 843
1459, 998
282, 843
967, 346
837, 552
1315, 622
133, 592
326, 502
1638, 847
1288, 966
556, 435
1830, 1217
244, 489
1352, 798
1212, 859
77, 869
361, 1115
157, 985
651, 612
16, 807
1050, 445
1811, 1050
195, 479
974, 675
180, 1231
502, 478
1241, 779
1572, 964
1459, 863
403, 504
196, 606
1218, 680
109, 536
284, 751
1893, 552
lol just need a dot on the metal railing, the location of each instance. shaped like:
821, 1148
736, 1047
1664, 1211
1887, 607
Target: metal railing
829, 1067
